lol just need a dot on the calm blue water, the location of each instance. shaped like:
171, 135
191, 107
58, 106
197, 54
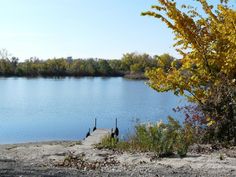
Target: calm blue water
63, 109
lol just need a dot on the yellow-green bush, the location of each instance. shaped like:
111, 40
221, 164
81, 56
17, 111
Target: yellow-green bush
163, 139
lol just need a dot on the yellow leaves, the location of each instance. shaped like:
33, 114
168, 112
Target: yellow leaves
210, 121
159, 8
187, 64
181, 91
207, 45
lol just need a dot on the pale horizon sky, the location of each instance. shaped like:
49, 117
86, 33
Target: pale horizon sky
81, 29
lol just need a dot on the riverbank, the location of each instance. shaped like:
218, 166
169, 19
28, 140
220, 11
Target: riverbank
70, 158
137, 76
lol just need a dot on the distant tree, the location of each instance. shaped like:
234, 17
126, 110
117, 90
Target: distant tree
116, 67
104, 67
136, 63
14, 62
5, 63
164, 61
4, 54
91, 67
5, 67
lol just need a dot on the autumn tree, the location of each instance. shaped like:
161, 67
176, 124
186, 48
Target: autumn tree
137, 63
206, 40
164, 61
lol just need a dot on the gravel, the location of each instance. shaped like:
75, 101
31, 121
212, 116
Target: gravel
64, 158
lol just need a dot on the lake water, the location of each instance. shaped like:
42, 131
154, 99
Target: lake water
42, 109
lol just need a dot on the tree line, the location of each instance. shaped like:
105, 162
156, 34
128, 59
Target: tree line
131, 64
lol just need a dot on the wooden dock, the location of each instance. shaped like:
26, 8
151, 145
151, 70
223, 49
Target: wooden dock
96, 137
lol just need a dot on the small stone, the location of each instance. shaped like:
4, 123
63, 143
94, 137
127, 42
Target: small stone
66, 163
97, 165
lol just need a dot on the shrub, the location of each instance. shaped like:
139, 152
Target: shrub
207, 74
108, 143
163, 139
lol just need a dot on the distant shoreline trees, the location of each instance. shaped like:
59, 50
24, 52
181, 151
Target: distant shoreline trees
131, 65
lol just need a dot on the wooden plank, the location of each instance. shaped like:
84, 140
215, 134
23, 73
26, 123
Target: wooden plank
96, 137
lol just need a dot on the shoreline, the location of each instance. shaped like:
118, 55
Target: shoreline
125, 76
40, 142
70, 158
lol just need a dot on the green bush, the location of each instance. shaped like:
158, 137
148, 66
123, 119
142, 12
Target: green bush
108, 143
163, 139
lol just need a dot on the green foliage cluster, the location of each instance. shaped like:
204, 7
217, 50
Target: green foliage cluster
129, 64
163, 139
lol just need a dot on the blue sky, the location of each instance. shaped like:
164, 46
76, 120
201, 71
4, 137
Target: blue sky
81, 28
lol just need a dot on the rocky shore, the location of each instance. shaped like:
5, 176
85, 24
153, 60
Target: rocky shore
69, 158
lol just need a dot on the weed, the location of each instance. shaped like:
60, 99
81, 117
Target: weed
163, 139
